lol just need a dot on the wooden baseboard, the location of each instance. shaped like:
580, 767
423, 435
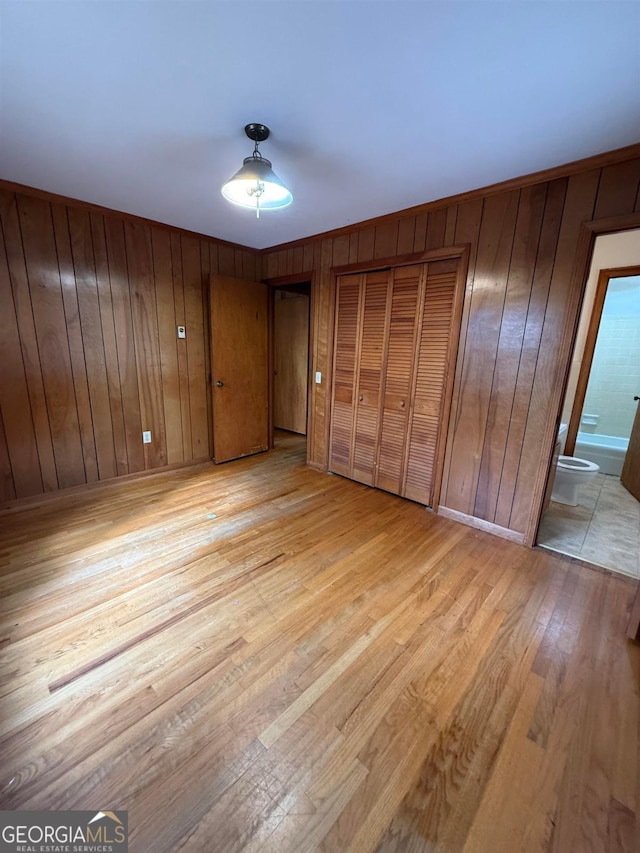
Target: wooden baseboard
479, 524
316, 467
45, 497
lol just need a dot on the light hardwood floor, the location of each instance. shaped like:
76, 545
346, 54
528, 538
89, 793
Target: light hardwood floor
262, 657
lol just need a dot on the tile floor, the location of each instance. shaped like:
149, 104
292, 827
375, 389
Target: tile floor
603, 529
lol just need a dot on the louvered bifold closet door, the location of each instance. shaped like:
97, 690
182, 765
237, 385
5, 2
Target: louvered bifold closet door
430, 380
398, 376
345, 354
368, 396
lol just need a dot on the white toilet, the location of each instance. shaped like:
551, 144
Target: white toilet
571, 473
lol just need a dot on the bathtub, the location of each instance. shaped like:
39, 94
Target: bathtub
607, 451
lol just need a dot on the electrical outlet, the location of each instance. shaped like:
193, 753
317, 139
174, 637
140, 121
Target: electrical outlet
146, 436
182, 331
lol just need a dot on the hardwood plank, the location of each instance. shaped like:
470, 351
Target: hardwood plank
316, 665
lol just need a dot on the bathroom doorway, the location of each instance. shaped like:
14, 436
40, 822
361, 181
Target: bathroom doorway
599, 414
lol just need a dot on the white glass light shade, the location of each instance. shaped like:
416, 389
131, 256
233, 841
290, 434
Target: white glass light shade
256, 185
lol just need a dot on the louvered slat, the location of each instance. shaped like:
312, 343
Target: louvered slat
346, 336
429, 389
369, 380
398, 377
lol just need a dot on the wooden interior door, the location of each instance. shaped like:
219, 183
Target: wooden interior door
239, 367
373, 328
291, 361
348, 291
394, 353
398, 377
630, 476
432, 380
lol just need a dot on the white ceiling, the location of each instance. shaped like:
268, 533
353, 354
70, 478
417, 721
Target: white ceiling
373, 106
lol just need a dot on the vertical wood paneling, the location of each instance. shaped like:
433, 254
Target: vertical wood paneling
145, 333
578, 208
420, 232
89, 349
512, 352
205, 268
467, 217
7, 486
193, 302
183, 361
307, 261
485, 315
436, 224
29, 347
406, 234
103, 281
341, 250
512, 326
169, 343
15, 406
366, 244
386, 240
53, 346
76, 344
226, 260
123, 325
93, 344
617, 189
528, 355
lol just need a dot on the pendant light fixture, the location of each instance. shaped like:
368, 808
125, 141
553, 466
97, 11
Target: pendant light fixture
256, 185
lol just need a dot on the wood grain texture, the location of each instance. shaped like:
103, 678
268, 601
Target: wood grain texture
527, 300
239, 332
258, 656
291, 361
518, 317
90, 308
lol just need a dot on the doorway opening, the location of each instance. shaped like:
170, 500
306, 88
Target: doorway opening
291, 315
600, 423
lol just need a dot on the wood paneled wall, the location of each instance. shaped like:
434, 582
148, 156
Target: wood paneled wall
519, 311
89, 355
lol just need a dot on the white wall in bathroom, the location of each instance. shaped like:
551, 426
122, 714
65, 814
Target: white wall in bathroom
611, 250
615, 371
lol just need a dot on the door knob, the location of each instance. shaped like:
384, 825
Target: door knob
219, 383
636, 399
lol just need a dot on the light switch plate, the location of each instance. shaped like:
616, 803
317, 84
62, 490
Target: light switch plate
318, 377
146, 436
